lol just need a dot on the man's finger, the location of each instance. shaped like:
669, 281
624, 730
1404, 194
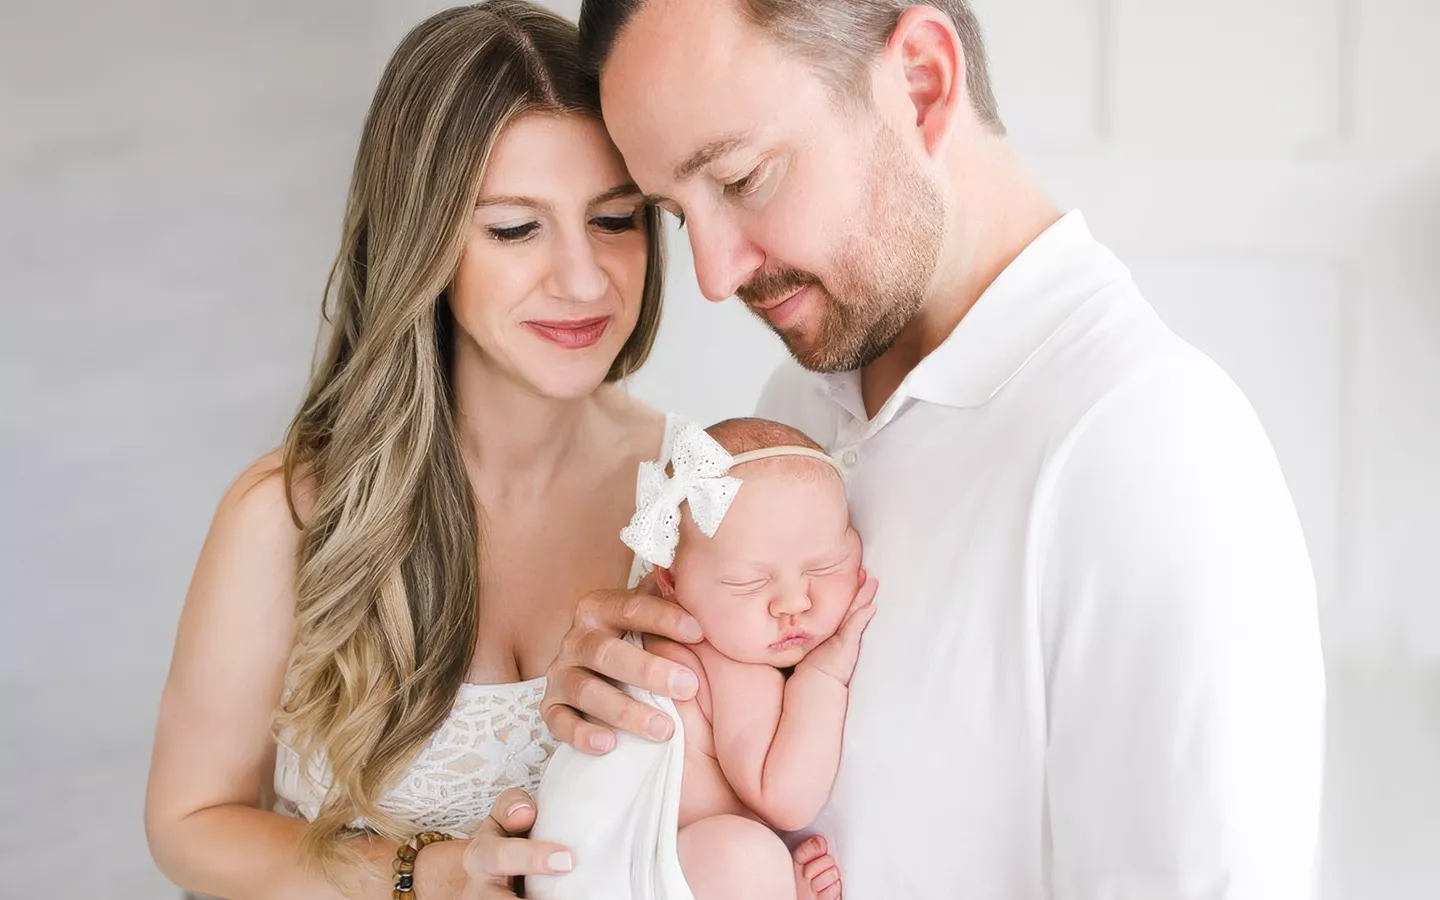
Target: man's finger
569, 727
625, 663
599, 700
639, 611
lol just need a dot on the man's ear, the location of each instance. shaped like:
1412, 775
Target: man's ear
929, 66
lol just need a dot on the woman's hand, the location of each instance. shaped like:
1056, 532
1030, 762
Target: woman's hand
487, 866
580, 695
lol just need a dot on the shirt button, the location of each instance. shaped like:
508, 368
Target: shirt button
850, 458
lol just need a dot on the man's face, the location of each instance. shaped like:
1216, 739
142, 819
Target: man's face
812, 212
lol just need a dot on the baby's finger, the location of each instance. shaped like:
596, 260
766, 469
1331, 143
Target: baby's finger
854, 628
866, 595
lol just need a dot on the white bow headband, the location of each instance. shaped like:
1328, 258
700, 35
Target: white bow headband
701, 479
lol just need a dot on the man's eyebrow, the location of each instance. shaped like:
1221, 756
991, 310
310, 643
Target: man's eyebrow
708, 154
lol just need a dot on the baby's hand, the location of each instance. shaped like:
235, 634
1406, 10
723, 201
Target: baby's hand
837, 655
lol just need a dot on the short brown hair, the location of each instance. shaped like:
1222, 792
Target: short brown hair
839, 38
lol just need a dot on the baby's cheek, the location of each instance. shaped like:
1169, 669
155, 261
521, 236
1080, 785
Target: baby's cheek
833, 598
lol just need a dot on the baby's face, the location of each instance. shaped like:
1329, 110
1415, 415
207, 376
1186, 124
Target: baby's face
779, 574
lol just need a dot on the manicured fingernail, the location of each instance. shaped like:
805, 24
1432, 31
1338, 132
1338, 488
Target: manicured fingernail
683, 684
690, 630
516, 807
560, 862
600, 743
658, 727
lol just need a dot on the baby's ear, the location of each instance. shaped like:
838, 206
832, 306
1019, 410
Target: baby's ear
665, 581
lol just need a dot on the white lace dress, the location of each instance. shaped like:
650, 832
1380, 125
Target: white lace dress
493, 740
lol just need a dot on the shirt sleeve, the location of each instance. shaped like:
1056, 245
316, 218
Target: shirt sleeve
1184, 679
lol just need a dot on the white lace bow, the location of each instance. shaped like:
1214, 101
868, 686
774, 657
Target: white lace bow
701, 479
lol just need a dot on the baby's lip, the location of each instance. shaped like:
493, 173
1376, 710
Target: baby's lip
791, 639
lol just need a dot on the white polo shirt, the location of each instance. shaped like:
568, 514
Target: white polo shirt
1095, 673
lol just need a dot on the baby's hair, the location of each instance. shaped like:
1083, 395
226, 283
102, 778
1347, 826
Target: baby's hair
745, 434
742, 435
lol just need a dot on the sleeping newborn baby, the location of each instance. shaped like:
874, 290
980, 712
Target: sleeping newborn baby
749, 531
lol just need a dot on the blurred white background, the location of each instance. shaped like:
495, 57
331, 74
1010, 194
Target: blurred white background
171, 181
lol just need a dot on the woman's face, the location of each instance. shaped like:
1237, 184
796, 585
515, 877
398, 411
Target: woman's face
550, 282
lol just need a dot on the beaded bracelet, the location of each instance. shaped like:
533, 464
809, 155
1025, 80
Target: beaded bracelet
405, 861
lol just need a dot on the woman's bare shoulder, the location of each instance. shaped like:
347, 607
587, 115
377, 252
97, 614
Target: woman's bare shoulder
257, 499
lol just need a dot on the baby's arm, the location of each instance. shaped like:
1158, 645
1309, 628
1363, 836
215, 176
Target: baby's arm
778, 740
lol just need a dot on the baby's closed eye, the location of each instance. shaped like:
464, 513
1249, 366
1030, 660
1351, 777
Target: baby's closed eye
749, 586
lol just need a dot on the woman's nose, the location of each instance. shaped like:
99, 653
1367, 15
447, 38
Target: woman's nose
578, 275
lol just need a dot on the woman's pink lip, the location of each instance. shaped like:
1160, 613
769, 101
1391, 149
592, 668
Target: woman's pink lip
561, 324
572, 334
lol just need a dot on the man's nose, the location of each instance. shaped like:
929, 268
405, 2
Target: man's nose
724, 258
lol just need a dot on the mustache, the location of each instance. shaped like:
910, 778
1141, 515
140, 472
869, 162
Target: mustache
765, 288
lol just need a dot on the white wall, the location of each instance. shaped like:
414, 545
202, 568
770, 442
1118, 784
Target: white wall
171, 178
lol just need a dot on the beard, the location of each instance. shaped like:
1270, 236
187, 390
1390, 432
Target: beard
880, 275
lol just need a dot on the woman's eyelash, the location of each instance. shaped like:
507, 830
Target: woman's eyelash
617, 224
610, 224
514, 232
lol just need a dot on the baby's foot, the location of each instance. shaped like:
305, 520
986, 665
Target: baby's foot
817, 875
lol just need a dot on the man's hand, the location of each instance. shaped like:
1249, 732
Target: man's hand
582, 703
840, 652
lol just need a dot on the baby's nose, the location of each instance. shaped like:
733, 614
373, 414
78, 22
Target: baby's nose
791, 603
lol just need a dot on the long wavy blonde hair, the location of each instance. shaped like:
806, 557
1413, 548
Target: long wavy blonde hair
386, 594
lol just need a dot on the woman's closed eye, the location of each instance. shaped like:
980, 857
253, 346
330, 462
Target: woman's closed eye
514, 233
617, 223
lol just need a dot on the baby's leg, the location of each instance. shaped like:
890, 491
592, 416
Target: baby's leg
725, 857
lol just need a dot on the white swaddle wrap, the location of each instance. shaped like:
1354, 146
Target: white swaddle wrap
620, 816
